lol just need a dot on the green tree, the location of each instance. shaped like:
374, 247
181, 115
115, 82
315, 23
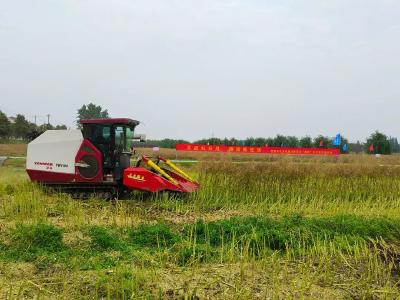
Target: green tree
327, 142
33, 127
280, 141
306, 142
269, 142
380, 142
394, 144
225, 141
250, 141
292, 142
343, 142
164, 143
260, 141
215, 141
90, 111
233, 142
21, 127
5, 126
44, 127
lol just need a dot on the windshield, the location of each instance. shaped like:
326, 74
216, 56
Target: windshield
123, 138
129, 137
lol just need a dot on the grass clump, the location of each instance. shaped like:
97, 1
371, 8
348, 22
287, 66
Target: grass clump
154, 235
194, 253
102, 239
31, 241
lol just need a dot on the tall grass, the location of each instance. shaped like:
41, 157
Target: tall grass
302, 228
283, 188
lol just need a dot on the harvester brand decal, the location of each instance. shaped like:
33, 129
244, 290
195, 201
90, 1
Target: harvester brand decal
136, 177
41, 163
61, 165
50, 165
47, 165
255, 149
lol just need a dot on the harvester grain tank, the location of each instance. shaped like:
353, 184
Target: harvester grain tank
96, 160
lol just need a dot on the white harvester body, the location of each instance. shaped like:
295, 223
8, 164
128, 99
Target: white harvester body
54, 151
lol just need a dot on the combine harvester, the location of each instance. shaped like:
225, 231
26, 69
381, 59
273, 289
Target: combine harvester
96, 162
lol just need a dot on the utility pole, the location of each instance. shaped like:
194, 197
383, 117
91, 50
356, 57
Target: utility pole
48, 119
35, 119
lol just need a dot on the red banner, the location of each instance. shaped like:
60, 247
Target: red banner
255, 149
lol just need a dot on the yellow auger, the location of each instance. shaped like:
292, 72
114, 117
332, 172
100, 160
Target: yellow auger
176, 169
159, 170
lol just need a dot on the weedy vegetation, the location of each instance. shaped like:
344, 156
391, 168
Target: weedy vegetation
272, 227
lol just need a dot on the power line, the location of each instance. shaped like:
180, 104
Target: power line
36, 118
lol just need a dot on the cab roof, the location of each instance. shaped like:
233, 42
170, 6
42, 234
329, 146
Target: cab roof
124, 121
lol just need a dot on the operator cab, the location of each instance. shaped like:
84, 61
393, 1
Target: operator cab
113, 138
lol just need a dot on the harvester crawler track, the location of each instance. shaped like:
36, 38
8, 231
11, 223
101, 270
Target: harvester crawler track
80, 191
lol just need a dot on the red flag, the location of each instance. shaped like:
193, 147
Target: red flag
321, 143
371, 148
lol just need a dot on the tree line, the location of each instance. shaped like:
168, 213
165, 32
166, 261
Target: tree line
278, 141
381, 144
19, 128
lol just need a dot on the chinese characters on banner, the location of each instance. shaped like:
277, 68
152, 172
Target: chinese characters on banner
254, 149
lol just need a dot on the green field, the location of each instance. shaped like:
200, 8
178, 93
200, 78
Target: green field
275, 227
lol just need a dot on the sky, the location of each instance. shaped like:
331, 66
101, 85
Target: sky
195, 69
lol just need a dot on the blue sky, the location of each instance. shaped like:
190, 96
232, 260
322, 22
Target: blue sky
190, 69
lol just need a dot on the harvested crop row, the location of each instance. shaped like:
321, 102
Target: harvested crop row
317, 250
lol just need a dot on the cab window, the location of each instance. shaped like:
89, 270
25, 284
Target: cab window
129, 138
123, 138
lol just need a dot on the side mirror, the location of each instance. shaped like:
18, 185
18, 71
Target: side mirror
139, 137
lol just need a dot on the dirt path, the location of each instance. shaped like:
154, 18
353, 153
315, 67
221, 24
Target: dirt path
13, 149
